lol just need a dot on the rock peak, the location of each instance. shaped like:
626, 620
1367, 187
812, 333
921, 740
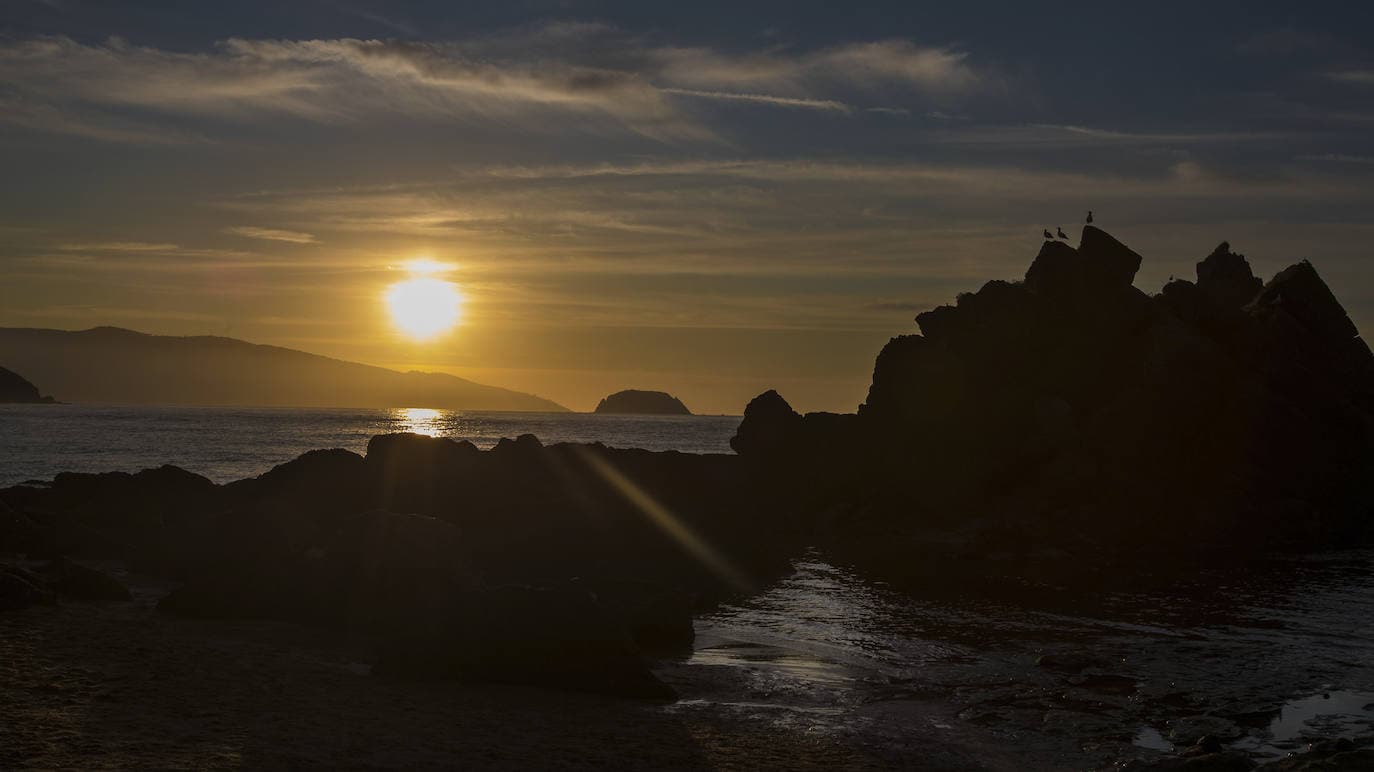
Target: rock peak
1224, 277
1100, 261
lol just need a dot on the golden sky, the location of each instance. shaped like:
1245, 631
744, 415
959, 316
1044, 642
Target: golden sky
631, 202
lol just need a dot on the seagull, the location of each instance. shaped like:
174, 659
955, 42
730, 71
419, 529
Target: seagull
1049, 236
1090, 217
1062, 234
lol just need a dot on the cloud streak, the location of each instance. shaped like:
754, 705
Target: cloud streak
271, 234
114, 91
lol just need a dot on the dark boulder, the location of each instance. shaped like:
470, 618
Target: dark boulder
369, 572
1058, 267
1108, 258
20, 588
658, 618
1100, 261
770, 426
316, 486
115, 514
73, 580
1302, 294
416, 473
517, 635
381, 570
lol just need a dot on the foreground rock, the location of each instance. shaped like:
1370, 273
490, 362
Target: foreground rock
73, 580
642, 402
519, 635
407, 582
20, 588
15, 389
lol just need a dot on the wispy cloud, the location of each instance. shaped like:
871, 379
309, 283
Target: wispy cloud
928, 69
271, 234
118, 246
1340, 158
766, 99
1361, 77
98, 90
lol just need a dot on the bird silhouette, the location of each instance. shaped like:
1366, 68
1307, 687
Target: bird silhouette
1090, 217
1062, 234
1048, 235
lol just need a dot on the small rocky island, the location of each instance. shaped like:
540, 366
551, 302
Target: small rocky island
14, 388
643, 403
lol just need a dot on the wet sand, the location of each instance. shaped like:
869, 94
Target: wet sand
86, 685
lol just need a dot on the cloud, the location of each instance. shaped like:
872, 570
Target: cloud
1359, 77
51, 119
118, 246
899, 62
1288, 41
1341, 158
776, 101
1058, 135
149, 248
271, 234
115, 90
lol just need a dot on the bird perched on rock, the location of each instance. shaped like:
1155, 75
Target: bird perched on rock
1090, 217
1048, 235
1062, 234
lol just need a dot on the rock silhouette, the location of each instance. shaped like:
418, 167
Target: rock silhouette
642, 402
1070, 421
14, 388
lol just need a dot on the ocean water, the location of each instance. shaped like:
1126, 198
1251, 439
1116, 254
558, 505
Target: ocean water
230, 443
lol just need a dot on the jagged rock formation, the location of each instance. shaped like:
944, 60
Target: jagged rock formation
642, 402
1072, 415
14, 388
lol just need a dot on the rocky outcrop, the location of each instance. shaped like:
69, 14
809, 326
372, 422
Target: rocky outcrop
633, 401
14, 388
1070, 414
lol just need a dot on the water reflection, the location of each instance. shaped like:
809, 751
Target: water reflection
420, 420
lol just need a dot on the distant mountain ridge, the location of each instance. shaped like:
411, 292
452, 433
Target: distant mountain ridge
113, 364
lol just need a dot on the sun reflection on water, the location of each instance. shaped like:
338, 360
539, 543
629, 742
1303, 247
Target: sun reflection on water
419, 420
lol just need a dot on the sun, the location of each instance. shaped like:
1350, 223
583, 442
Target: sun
424, 307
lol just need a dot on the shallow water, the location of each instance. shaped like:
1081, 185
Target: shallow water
226, 444
1266, 661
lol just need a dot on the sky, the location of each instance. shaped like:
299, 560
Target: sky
710, 199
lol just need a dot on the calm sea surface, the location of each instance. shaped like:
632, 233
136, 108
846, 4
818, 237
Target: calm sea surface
228, 443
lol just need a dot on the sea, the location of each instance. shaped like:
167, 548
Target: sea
231, 443
1267, 660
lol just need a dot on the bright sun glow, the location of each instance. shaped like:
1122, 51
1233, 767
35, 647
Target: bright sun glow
425, 267
423, 307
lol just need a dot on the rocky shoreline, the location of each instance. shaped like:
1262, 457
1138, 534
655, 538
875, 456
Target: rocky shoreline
1062, 434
